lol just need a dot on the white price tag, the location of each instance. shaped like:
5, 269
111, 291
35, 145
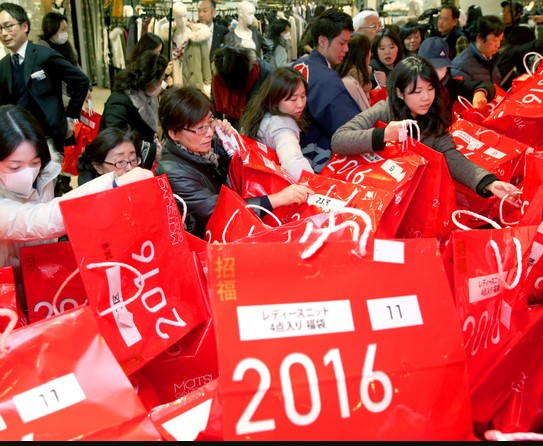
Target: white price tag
494, 153
327, 204
394, 312
48, 398
483, 287
393, 169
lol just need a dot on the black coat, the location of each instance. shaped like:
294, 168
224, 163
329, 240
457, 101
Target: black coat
198, 182
47, 90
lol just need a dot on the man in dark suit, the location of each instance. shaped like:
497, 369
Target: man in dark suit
31, 76
206, 13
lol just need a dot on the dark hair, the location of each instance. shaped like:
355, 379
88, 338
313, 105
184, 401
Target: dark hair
18, 126
276, 28
486, 25
392, 35
147, 70
213, 3
330, 24
474, 14
406, 74
182, 107
279, 85
17, 12
233, 65
455, 12
409, 28
148, 41
50, 25
359, 48
98, 149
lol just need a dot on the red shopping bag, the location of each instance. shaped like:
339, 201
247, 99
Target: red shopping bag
378, 94
333, 194
85, 130
520, 116
463, 109
429, 211
78, 392
137, 268
232, 219
255, 171
393, 169
45, 269
10, 299
186, 366
486, 270
498, 153
340, 359
511, 397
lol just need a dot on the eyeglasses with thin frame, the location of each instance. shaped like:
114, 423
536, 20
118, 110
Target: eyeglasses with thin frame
123, 163
203, 129
8, 27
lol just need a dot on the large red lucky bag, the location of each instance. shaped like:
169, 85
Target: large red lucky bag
393, 169
60, 381
345, 342
129, 242
520, 116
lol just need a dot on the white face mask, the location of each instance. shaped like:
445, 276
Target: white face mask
286, 36
60, 38
21, 181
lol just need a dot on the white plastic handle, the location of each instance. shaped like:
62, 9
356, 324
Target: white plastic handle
13, 318
473, 214
518, 250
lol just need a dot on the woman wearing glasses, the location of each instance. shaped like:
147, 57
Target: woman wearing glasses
113, 150
195, 162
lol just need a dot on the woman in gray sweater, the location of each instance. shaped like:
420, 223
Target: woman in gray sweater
414, 93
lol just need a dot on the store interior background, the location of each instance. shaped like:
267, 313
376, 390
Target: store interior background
90, 21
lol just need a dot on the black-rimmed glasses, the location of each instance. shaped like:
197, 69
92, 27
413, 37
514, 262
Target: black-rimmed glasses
123, 163
8, 27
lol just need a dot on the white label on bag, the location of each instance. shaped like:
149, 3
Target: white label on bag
472, 143
123, 318
296, 319
188, 425
494, 153
325, 203
389, 251
393, 169
505, 314
2, 424
48, 398
394, 312
483, 287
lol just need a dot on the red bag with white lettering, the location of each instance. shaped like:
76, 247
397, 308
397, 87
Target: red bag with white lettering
45, 268
344, 355
137, 267
486, 270
394, 169
185, 366
60, 381
520, 116
498, 153
333, 194
463, 109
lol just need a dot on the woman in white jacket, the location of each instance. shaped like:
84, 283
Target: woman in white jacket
29, 212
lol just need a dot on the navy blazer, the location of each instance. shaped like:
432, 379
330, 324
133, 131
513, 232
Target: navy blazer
219, 32
47, 91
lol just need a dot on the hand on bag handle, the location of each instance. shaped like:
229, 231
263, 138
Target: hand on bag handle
13, 318
522, 208
326, 232
408, 123
464, 102
494, 246
122, 303
230, 142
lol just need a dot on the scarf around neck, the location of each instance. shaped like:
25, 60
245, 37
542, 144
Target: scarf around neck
147, 106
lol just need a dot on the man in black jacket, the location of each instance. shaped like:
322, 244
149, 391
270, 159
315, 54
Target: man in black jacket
206, 14
435, 50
